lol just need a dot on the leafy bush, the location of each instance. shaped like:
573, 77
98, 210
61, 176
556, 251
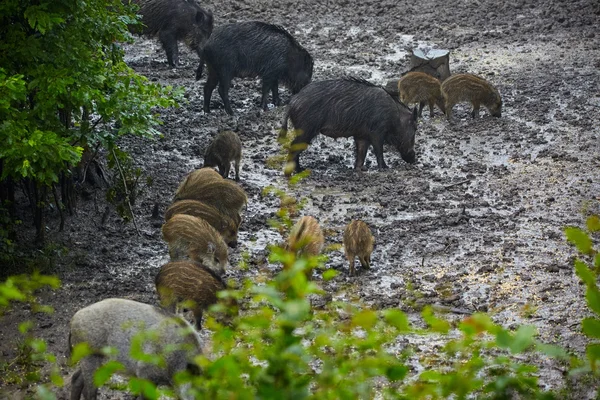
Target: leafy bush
64, 89
582, 240
282, 347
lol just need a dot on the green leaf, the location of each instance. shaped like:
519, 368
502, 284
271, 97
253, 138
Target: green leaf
584, 273
591, 327
503, 338
593, 353
79, 351
105, 372
593, 223
365, 319
593, 299
396, 372
431, 376
397, 319
436, 324
330, 274
523, 338
580, 239
552, 351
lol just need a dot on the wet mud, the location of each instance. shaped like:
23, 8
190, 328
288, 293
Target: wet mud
475, 224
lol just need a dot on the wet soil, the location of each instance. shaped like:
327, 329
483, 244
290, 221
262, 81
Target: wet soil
476, 224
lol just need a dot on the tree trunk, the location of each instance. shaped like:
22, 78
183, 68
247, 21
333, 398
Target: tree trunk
434, 62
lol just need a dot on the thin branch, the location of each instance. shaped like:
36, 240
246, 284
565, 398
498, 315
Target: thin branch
126, 191
457, 183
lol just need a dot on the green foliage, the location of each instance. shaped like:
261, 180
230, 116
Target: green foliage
31, 356
582, 240
64, 88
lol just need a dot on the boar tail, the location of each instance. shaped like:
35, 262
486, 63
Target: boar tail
201, 65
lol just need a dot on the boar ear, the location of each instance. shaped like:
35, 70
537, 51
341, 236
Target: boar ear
415, 114
211, 248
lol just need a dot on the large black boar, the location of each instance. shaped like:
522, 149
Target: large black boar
174, 20
351, 107
250, 49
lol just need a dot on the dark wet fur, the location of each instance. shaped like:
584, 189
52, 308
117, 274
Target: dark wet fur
330, 107
269, 52
176, 20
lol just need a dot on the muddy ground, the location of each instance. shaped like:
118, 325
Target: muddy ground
475, 224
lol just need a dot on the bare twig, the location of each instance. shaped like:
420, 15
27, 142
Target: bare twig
457, 183
59, 208
453, 310
126, 191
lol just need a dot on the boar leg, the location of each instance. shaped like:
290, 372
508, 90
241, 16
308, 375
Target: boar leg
448, 106
475, 112
198, 318
378, 150
169, 42
275, 92
225, 169
77, 385
421, 106
88, 367
236, 164
431, 104
361, 153
211, 83
364, 262
351, 260
300, 144
224, 85
266, 87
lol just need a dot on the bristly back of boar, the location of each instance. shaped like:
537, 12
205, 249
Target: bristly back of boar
306, 237
474, 89
188, 281
221, 222
194, 238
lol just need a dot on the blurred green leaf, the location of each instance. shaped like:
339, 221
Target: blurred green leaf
591, 327
579, 239
593, 223
584, 273
106, 371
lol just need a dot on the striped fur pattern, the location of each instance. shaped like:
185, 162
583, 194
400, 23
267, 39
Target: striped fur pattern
422, 88
474, 89
221, 222
210, 188
358, 242
194, 238
306, 237
188, 281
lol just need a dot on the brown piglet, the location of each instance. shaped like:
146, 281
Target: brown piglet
474, 89
358, 242
222, 151
190, 282
194, 238
422, 88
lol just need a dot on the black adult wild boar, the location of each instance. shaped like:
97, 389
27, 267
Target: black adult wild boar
251, 49
351, 107
176, 20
